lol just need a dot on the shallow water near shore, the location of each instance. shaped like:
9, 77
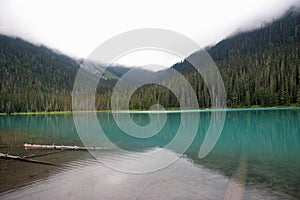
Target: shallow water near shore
258, 150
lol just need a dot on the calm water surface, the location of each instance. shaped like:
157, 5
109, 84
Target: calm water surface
257, 152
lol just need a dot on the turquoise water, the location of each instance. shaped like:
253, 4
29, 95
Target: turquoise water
258, 150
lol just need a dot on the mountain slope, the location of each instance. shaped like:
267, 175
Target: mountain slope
259, 67
281, 32
35, 78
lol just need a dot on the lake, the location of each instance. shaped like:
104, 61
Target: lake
255, 157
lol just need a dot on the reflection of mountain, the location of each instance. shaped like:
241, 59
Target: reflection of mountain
267, 140
259, 67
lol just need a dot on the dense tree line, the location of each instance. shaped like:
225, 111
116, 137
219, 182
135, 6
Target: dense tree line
34, 78
259, 67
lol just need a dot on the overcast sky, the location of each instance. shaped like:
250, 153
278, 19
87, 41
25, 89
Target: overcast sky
78, 27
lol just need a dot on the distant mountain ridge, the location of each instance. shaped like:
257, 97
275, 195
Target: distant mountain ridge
283, 31
259, 68
36, 78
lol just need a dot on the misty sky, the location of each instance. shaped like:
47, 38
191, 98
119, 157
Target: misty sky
78, 27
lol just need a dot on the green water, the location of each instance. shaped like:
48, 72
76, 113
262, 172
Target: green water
267, 142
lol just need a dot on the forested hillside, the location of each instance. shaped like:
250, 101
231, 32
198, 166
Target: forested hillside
259, 68
36, 78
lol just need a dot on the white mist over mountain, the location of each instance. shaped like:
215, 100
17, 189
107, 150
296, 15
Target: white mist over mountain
78, 27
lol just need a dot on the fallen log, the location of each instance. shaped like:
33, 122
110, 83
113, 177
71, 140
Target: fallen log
62, 147
11, 157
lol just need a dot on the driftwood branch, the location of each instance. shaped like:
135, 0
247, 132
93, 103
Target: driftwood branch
11, 157
62, 147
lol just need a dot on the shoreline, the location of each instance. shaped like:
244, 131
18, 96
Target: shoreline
170, 110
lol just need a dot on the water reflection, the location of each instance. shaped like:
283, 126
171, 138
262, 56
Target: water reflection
267, 141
